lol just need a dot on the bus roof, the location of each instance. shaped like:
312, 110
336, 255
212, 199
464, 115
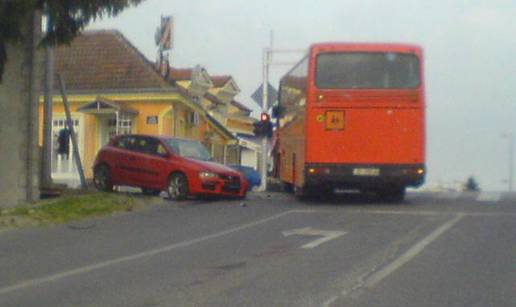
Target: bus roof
365, 47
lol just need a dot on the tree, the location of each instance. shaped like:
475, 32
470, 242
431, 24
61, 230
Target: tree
471, 185
68, 18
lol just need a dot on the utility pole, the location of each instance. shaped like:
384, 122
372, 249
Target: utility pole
267, 62
47, 113
265, 108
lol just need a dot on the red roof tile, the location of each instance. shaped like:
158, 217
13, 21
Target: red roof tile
220, 81
105, 60
180, 74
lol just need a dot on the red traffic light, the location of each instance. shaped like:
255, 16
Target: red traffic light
264, 117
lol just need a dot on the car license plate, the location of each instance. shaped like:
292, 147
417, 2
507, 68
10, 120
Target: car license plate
366, 171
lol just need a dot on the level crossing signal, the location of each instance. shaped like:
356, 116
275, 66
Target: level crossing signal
263, 127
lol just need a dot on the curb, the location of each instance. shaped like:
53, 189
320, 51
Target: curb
270, 195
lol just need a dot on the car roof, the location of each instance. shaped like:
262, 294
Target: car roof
160, 137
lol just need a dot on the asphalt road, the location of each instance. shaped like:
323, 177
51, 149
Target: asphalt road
431, 250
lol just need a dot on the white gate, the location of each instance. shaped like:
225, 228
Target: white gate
64, 169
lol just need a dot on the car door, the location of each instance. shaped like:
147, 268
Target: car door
157, 162
124, 157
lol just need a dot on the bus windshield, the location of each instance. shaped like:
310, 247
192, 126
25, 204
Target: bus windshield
367, 70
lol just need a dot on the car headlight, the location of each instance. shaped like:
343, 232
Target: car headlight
207, 175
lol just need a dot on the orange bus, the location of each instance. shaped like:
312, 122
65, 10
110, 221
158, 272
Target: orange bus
352, 116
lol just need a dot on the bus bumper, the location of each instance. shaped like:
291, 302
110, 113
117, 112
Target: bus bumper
359, 176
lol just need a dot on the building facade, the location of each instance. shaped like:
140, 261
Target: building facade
217, 96
113, 89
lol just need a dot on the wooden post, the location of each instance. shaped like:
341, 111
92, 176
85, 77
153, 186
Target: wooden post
69, 123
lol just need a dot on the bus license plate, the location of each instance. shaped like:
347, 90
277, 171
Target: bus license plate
366, 171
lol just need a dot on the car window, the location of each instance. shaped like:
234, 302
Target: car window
139, 144
188, 149
150, 146
126, 142
161, 149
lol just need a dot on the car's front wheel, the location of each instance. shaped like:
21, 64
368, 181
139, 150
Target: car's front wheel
102, 178
178, 187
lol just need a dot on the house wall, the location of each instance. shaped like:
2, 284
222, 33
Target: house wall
233, 154
172, 121
240, 126
92, 128
19, 151
249, 158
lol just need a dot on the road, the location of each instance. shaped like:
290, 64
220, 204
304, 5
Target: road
431, 250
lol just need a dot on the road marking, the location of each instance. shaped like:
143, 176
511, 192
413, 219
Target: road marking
449, 195
55, 277
426, 213
410, 254
327, 235
489, 196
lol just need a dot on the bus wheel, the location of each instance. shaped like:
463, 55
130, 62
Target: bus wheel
392, 194
287, 187
300, 192
307, 192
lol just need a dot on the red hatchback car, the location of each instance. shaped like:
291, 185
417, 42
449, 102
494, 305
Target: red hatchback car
157, 163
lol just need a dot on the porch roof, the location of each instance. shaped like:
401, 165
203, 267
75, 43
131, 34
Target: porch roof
104, 106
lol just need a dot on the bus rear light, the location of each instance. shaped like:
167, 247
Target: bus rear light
319, 170
320, 97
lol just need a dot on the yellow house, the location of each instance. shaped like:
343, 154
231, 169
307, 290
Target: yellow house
113, 89
217, 96
235, 116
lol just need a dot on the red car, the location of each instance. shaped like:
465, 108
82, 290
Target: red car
157, 163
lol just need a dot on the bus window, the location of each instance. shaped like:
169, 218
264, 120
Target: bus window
367, 70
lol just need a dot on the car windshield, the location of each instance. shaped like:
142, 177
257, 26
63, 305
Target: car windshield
189, 149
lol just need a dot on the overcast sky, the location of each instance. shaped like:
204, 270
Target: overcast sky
470, 49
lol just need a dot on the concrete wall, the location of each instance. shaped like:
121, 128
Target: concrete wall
19, 153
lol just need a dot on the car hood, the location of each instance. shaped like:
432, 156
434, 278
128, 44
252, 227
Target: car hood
212, 167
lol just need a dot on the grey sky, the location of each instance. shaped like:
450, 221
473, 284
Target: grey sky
469, 48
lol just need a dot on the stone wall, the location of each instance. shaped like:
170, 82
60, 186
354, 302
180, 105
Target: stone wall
19, 90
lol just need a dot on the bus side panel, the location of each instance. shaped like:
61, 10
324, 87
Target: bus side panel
292, 150
369, 136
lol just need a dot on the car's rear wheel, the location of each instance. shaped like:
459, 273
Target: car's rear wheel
102, 178
178, 187
150, 192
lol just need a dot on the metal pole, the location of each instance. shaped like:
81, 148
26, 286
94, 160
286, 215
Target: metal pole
69, 122
267, 55
46, 158
265, 107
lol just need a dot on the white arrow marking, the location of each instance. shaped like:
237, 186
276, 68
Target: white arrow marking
489, 196
327, 235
